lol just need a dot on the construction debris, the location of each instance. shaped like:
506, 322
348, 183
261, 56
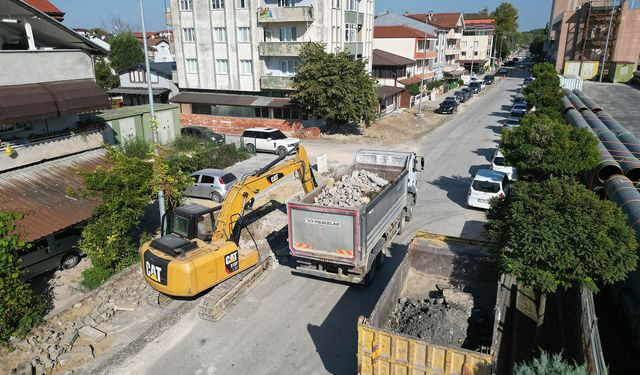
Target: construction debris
352, 190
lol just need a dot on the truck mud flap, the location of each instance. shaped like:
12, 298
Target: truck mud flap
328, 275
228, 293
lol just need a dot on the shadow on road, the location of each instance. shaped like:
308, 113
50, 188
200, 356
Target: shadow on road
338, 346
496, 129
499, 114
487, 153
455, 186
473, 229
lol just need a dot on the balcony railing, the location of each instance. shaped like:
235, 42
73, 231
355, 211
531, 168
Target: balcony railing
285, 14
279, 48
452, 51
28, 152
276, 83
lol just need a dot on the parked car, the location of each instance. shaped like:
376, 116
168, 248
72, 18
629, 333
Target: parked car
503, 71
499, 164
519, 109
519, 98
511, 122
487, 184
268, 140
476, 86
56, 251
462, 96
528, 80
213, 184
202, 132
466, 79
449, 105
469, 92
489, 79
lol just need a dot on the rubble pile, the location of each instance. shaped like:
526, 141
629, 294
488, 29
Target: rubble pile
352, 190
440, 320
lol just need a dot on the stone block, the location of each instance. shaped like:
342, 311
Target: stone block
69, 338
91, 334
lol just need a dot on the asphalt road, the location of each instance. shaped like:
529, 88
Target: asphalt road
291, 324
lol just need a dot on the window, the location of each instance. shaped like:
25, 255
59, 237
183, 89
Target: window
422, 45
463, 43
246, 67
192, 66
244, 34
289, 67
138, 76
217, 4
336, 4
219, 35
186, 4
241, 4
351, 5
287, 34
262, 112
350, 32
463, 53
207, 179
286, 3
188, 34
222, 66
475, 53
476, 43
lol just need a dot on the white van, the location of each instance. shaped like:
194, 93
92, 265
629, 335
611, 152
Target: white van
487, 184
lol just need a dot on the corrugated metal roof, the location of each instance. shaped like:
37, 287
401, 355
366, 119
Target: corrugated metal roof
384, 92
384, 58
40, 193
230, 99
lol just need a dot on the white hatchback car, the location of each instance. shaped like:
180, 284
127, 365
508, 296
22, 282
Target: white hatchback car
499, 164
487, 184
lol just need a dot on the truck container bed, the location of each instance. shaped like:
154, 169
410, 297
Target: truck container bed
433, 262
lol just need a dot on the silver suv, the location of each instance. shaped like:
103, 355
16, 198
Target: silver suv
269, 140
211, 183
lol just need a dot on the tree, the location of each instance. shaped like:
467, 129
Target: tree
506, 16
413, 89
334, 86
545, 91
536, 47
542, 147
548, 365
116, 24
19, 308
126, 51
105, 78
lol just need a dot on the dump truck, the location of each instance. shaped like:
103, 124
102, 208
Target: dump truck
349, 243
442, 286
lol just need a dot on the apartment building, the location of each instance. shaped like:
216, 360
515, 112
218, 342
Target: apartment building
581, 31
476, 45
251, 47
450, 27
409, 43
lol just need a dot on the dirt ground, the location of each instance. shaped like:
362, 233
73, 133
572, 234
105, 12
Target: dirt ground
398, 127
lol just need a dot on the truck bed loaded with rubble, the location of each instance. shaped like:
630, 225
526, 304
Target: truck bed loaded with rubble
342, 228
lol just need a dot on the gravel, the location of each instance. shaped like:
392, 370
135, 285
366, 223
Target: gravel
352, 190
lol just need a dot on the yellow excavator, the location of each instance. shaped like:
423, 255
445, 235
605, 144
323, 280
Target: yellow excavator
184, 261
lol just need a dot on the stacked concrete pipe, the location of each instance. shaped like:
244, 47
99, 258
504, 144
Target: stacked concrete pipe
623, 192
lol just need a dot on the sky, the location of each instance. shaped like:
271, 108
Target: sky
95, 13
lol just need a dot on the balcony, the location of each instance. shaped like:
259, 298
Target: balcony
456, 36
29, 152
28, 66
285, 14
452, 51
276, 83
279, 48
429, 55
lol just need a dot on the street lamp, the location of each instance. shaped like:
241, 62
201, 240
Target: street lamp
424, 61
154, 128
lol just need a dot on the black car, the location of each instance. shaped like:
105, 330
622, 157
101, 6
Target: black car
476, 86
202, 132
449, 105
462, 96
469, 92
489, 79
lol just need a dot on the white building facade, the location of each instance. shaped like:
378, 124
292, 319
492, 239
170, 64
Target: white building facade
252, 46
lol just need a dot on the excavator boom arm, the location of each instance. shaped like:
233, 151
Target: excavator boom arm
242, 192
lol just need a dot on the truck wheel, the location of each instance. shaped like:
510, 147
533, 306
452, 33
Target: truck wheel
251, 148
282, 151
380, 258
411, 203
401, 224
371, 275
70, 260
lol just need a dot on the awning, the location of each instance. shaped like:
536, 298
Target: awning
77, 96
230, 100
26, 103
40, 193
415, 79
137, 91
384, 92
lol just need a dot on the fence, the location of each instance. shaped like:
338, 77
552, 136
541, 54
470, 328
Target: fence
594, 357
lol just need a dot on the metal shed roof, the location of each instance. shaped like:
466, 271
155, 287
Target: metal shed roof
40, 193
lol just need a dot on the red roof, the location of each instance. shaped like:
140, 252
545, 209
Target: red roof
487, 21
399, 32
45, 7
439, 20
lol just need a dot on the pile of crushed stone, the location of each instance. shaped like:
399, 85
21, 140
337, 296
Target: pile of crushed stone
352, 190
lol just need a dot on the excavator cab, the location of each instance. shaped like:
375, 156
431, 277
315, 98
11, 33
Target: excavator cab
190, 221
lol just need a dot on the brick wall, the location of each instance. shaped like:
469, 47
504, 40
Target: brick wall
236, 125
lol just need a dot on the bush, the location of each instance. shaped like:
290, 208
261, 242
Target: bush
95, 275
188, 143
548, 365
20, 310
413, 89
207, 157
136, 148
460, 82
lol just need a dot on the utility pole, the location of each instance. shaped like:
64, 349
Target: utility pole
424, 62
473, 48
606, 45
154, 128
